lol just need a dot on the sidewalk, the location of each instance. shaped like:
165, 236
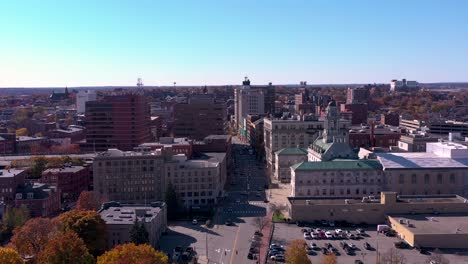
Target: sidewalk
279, 197
266, 238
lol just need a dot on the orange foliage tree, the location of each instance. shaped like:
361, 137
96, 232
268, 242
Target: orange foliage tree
296, 253
65, 248
131, 253
31, 238
87, 201
329, 259
10, 256
89, 226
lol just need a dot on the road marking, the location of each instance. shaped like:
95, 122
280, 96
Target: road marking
235, 245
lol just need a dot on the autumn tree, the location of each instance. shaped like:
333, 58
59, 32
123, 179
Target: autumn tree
138, 233
393, 256
87, 201
329, 259
88, 225
10, 256
21, 132
131, 253
65, 248
31, 238
296, 253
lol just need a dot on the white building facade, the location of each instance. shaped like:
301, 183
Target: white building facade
82, 97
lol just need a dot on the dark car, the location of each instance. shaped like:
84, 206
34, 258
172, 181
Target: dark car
229, 223
324, 250
367, 246
423, 251
401, 244
250, 256
357, 261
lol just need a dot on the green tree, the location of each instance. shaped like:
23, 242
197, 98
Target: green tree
65, 247
14, 217
171, 202
39, 166
89, 226
138, 233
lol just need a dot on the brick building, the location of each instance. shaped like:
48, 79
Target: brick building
7, 143
199, 117
117, 121
9, 181
358, 110
42, 200
70, 180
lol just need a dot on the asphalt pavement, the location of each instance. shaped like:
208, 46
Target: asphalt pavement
244, 203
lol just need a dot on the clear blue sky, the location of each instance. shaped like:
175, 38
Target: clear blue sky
112, 42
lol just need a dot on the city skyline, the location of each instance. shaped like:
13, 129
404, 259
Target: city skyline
58, 44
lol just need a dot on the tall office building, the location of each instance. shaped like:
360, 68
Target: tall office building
248, 101
117, 121
82, 97
200, 117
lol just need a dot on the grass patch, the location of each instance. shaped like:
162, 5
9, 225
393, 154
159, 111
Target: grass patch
278, 217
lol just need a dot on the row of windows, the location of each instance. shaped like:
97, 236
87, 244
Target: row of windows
193, 186
342, 191
427, 179
198, 201
196, 194
332, 181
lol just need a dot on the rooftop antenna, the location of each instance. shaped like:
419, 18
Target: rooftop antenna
140, 83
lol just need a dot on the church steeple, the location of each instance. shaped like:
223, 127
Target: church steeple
66, 90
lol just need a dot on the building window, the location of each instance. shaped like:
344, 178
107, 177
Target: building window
426, 179
324, 191
439, 179
348, 191
401, 179
452, 178
413, 179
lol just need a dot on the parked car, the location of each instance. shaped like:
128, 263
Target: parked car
352, 246
324, 250
367, 246
401, 244
328, 235
314, 246
307, 235
338, 231
313, 235
194, 222
310, 251
277, 257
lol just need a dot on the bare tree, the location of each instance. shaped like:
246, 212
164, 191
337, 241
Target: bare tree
438, 258
393, 256
260, 222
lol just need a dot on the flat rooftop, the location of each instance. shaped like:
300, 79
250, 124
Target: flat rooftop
9, 173
434, 224
414, 199
419, 160
126, 215
65, 169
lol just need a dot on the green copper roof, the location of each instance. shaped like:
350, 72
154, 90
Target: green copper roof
339, 165
319, 143
292, 151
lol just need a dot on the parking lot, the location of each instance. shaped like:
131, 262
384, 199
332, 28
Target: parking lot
380, 244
